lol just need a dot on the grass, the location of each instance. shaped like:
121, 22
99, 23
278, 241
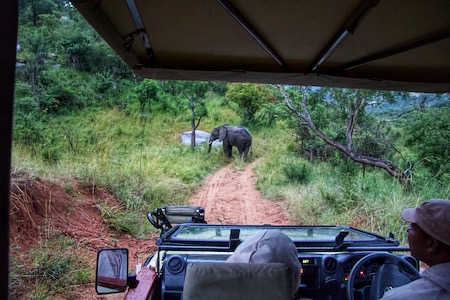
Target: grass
320, 193
55, 267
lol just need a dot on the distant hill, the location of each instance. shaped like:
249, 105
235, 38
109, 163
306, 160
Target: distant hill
413, 100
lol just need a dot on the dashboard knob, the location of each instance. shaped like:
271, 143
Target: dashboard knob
331, 285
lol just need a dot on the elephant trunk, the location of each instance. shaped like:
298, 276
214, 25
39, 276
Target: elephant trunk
209, 146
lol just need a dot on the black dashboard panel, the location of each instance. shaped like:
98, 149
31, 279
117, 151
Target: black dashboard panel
323, 275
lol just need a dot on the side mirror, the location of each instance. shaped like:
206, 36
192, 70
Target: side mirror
112, 271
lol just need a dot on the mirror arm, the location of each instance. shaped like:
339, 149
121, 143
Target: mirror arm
132, 282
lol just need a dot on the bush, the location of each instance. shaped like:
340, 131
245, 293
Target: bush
65, 89
298, 172
28, 129
428, 135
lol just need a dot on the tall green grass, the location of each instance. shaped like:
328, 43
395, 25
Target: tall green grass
322, 193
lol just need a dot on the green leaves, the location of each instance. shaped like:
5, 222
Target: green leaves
249, 98
428, 134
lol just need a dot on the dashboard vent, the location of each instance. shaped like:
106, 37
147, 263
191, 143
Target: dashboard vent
175, 264
330, 264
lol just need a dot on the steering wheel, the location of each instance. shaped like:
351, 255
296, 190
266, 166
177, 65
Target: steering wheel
394, 272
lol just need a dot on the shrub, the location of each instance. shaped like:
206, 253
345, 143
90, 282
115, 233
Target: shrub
298, 172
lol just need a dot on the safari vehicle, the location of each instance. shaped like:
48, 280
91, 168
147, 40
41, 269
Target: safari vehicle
401, 45
338, 262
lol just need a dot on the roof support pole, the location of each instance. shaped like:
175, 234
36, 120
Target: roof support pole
241, 20
423, 41
349, 28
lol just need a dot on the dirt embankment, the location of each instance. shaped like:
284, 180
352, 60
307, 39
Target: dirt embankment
41, 210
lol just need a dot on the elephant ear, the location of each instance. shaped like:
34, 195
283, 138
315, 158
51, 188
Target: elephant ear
222, 133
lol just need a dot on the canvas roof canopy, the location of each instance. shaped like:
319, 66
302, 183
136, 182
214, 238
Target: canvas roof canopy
374, 44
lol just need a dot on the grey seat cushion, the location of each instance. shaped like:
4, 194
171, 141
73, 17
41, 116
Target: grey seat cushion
220, 281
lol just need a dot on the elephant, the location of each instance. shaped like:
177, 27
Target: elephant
238, 137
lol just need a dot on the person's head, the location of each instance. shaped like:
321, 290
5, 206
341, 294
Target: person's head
269, 246
429, 231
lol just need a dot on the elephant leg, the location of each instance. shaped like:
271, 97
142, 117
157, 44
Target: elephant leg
227, 149
246, 151
230, 151
241, 153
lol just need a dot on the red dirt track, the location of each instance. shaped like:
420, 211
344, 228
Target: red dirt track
230, 196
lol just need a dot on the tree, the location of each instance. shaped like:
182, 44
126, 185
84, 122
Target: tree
249, 97
192, 91
195, 93
34, 54
428, 133
31, 10
146, 90
351, 104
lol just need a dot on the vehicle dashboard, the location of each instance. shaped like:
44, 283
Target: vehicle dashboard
326, 263
323, 275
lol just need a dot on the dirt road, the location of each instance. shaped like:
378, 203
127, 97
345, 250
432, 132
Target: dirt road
229, 196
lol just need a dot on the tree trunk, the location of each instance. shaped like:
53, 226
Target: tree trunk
304, 117
193, 127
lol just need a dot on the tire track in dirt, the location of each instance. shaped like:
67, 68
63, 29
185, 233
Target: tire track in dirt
229, 196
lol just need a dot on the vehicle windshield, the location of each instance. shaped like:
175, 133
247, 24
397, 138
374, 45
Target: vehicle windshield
297, 233
220, 237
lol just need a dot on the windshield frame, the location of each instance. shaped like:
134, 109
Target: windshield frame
179, 237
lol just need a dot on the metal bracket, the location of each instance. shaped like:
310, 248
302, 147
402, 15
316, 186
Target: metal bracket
140, 30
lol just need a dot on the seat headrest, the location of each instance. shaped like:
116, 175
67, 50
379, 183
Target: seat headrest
228, 281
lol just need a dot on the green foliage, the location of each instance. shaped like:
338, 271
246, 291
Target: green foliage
28, 128
120, 220
195, 92
141, 163
271, 112
427, 133
249, 97
32, 11
146, 91
331, 112
164, 192
297, 172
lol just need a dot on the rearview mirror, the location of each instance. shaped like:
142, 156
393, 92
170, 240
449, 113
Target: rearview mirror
112, 271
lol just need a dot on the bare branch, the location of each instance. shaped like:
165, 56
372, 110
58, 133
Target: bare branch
305, 118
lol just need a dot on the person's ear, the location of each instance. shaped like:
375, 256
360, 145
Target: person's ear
432, 244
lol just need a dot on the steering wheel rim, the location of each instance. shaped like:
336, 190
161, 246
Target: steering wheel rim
388, 258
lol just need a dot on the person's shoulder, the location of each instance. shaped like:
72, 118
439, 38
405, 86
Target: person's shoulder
438, 275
